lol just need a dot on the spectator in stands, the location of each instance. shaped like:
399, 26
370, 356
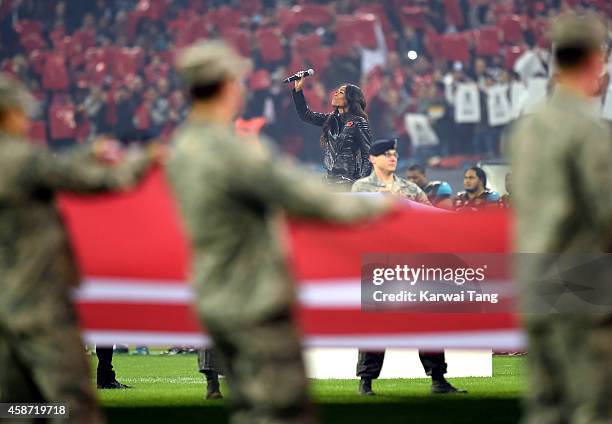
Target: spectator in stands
33, 29
439, 193
94, 107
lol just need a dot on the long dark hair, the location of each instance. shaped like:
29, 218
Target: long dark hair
482, 176
355, 103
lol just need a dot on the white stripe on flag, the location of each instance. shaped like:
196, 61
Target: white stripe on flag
323, 294
502, 339
133, 291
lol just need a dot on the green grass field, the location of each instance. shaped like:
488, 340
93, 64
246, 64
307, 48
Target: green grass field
169, 389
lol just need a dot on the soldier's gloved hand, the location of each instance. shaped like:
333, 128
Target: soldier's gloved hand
107, 150
157, 152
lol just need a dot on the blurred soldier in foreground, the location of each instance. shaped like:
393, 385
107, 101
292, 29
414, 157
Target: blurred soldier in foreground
231, 195
562, 158
41, 351
383, 155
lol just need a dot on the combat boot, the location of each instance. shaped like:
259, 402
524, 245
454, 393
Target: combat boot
441, 386
365, 387
213, 389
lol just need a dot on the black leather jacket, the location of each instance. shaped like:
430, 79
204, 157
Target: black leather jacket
349, 139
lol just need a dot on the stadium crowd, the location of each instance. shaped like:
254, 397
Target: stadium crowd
105, 66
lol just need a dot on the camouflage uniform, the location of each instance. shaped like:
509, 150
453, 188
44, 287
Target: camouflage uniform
370, 363
41, 352
562, 172
231, 195
399, 186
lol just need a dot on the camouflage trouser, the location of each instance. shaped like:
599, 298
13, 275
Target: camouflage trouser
264, 370
42, 355
208, 360
569, 370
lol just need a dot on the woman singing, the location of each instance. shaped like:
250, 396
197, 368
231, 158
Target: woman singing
346, 136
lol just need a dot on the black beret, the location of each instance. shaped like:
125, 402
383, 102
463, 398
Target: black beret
381, 146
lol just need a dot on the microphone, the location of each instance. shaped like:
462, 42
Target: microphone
299, 75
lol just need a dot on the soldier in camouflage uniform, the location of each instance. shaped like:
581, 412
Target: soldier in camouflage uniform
42, 358
561, 179
383, 156
232, 194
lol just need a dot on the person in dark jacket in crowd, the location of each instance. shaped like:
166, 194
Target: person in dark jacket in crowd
346, 136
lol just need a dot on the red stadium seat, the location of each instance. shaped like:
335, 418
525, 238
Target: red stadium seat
487, 41
414, 17
314, 14
250, 7
357, 30
433, 43
318, 59
77, 60
57, 34
68, 47
166, 56
304, 43
240, 40
26, 26
142, 117
61, 120
32, 41
502, 7
154, 73
126, 61
226, 17
259, 80
38, 132
82, 131
378, 10
37, 60
512, 28
55, 74
189, 30
511, 54
454, 14
152, 9
270, 44
86, 39
287, 20
456, 47
96, 66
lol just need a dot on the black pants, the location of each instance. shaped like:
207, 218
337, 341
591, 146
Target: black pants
370, 364
338, 183
105, 373
208, 360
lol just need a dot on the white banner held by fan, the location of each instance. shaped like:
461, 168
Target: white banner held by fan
536, 92
518, 97
498, 105
467, 103
420, 131
606, 110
